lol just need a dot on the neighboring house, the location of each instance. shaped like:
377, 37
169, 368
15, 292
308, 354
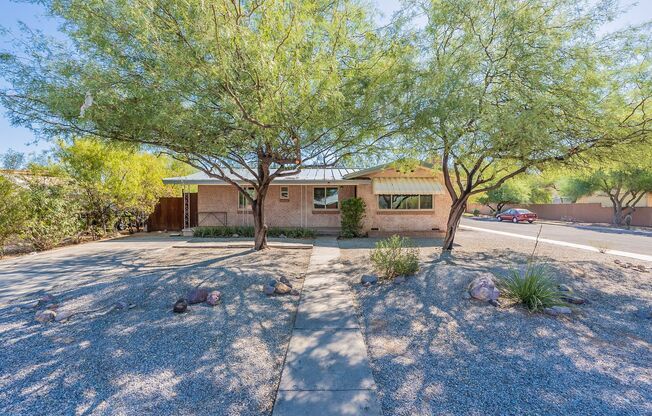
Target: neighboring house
413, 202
602, 199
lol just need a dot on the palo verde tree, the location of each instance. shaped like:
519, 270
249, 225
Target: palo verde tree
244, 91
507, 86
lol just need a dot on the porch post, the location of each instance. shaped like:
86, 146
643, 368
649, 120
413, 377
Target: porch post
187, 231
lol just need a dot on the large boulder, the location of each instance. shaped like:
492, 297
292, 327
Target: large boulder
483, 288
197, 296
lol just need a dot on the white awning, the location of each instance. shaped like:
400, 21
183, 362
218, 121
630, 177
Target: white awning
406, 186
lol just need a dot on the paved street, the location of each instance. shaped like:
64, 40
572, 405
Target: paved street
601, 238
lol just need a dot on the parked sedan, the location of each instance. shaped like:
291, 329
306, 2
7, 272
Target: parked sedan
516, 215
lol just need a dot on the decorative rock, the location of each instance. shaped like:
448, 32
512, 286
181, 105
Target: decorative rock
558, 310
399, 279
45, 316
641, 268
367, 284
52, 307
625, 265
573, 299
268, 290
369, 278
281, 288
272, 282
285, 281
213, 298
34, 304
63, 316
565, 288
16, 310
294, 292
483, 288
121, 305
180, 306
235, 235
617, 261
197, 296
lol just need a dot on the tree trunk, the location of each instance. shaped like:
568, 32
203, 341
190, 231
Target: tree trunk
618, 214
260, 227
454, 216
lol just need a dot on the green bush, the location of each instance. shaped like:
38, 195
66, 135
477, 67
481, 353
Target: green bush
476, 212
53, 215
352, 213
535, 288
248, 231
12, 211
395, 256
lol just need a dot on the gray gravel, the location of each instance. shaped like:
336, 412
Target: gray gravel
434, 352
224, 360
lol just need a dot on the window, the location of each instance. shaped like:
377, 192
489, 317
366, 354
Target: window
285, 192
243, 202
405, 202
325, 198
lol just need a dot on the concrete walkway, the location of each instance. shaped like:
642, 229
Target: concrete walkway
326, 369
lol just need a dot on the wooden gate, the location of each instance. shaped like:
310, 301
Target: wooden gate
168, 214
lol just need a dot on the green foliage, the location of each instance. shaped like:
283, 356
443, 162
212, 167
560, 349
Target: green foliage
535, 288
53, 215
526, 189
352, 211
476, 212
12, 210
395, 256
114, 182
248, 231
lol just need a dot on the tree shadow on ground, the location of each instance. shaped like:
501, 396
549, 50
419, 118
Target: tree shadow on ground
435, 352
211, 360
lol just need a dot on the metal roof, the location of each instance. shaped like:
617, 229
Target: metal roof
406, 186
307, 176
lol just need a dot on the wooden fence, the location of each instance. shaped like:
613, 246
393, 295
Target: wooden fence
168, 214
593, 212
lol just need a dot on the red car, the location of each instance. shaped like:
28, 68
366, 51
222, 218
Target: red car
516, 215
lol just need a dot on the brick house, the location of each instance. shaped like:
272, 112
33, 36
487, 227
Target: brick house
414, 202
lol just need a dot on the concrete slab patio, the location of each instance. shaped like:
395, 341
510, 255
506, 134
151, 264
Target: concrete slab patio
326, 369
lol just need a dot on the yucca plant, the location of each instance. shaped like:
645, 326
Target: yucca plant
534, 288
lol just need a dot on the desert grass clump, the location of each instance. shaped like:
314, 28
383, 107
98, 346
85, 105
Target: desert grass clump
534, 288
395, 256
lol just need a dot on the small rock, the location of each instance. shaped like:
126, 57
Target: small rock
483, 288
121, 305
641, 268
33, 304
16, 309
494, 302
131, 306
466, 295
574, 300
281, 288
268, 290
52, 307
565, 288
399, 279
235, 235
367, 284
617, 261
643, 314
625, 265
197, 296
369, 278
213, 298
285, 281
45, 316
294, 292
272, 282
630, 265
63, 316
558, 310
180, 306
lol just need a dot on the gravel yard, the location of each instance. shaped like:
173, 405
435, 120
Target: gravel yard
146, 360
434, 352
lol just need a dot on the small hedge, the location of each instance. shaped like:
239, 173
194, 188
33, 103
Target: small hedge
352, 213
535, 288
248, 231
395, 256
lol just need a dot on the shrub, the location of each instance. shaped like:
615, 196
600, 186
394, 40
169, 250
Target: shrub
352, 213
535, 288
395, 256
248, 231
12, 211
52, 215
476, 212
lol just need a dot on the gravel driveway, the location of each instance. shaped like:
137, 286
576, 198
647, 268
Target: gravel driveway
434, 352
224, 360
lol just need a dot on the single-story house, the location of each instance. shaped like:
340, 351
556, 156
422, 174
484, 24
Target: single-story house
414, 202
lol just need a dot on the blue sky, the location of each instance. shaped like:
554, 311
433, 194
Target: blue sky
11, 13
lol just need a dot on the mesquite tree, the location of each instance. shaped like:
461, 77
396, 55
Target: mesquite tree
245, 91
507, 86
